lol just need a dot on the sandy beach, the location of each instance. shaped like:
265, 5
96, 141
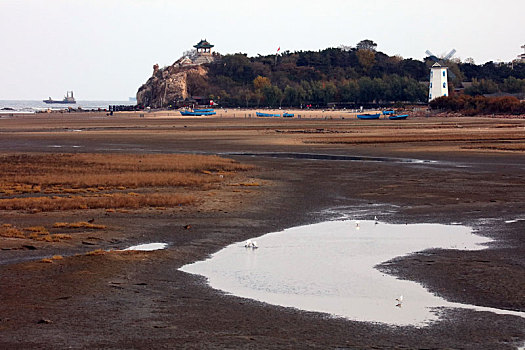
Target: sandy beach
456, 170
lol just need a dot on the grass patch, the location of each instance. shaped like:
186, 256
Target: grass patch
78, 173
114, 201
52, 259
8, 231
114, 182
248, 184
38, 230
96, 252
80, 224
36, 233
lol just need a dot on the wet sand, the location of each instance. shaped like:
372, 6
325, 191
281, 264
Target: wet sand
141, 300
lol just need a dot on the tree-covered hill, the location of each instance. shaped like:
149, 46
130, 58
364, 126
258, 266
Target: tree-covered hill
344, 76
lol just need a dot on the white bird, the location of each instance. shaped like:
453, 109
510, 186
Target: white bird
357, 225
375, 219
251, 244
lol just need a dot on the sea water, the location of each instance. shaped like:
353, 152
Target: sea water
330, 267
33, 106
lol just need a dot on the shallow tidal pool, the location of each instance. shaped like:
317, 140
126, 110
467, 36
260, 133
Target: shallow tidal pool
330, 267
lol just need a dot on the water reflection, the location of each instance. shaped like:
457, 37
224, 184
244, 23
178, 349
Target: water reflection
148, 246
329, 267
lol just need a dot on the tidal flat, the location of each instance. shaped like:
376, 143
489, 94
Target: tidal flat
471, 171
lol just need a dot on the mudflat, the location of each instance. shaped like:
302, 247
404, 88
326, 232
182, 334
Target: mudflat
78, 290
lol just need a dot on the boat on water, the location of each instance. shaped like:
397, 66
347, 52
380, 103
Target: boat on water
398, 117
67, 99
369, 116
197, 113
259, 114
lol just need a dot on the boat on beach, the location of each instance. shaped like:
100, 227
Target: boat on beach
288, 115
205, 110
369, 116
67, 99
390, 112
197, 113
398, 117
259, 114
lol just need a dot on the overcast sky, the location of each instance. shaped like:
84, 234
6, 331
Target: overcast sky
105, 49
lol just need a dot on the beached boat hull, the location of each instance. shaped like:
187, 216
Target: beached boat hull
398, 117
196, 114
288, 115
205, 110
388, 112
368, 116
259, 114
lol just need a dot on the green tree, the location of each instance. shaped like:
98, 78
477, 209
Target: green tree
273, 95
291, 96
366, 58
349, 91
366, 45
368, 90
513, 85
481, 87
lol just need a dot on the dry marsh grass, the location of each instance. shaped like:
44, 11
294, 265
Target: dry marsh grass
97, 181
8, 231
36, 233
96, 252
112, 201
73, 173
80, 224
52, 259
39, 230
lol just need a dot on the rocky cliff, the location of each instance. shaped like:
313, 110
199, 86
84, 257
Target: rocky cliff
168, 85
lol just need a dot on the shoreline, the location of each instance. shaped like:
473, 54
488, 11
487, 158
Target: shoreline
143, 300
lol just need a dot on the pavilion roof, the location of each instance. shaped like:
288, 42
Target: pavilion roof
203, 44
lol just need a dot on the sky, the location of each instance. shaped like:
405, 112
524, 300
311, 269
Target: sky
105, 49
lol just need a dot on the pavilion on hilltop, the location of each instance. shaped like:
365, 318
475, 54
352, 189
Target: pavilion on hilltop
203, 47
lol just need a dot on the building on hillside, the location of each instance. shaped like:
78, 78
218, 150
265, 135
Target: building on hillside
204, 54
521, 58
201, 55
438, 82
203, 47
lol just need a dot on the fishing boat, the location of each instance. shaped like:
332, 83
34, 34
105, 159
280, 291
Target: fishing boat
288, 115
390, 112
205, 110
196, 113
67, 99
369, 116
259, 114
398, 117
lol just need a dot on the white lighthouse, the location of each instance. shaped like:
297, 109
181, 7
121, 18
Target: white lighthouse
438, 82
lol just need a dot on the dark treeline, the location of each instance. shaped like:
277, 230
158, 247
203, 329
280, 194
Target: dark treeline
345, 76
